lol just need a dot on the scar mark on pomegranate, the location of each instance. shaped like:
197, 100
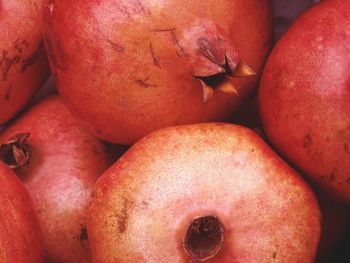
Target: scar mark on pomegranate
132, 9
115, 46
155, 59
7, 62
348, 181
274, 255
8, 93
332, 177
165, 30
144, 83
179, 49
142, 7
33, 58
307, 141
122, 216
20, 45
83, 234
98, 131
346, 148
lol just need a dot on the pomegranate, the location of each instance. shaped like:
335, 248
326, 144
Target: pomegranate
23, 63
20, 237
182, 62
305, 96
203, 192
59, 163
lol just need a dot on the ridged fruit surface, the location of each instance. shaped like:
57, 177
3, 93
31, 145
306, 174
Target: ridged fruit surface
210, 192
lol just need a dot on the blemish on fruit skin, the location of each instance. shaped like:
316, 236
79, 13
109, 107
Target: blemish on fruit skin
123, 216
115, 46
7, 62
20, 45
346, 148
179, 49
33, 58
307, 141
348, 181
274, 255
155, 59
98, 131
144, 83
83, 234
8, 93
332, 177
133, 9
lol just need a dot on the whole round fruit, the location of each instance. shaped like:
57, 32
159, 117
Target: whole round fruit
205, 192
23, 63
305, 96
126, 68
59, 162
20, 236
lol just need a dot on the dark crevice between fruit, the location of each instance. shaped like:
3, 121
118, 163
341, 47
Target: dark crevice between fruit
16, 152
204, 238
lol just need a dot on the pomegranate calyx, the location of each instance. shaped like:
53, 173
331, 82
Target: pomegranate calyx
219, 81
207, 91
228, 87
16, 152
242, 70
204, 238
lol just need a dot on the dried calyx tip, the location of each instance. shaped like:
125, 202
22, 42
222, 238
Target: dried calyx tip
204, 238
221, 82
16, 152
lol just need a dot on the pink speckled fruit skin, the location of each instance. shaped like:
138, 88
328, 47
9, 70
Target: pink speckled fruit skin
305, 96
20, 235
141, 206
23, 63
64, 165
124, 68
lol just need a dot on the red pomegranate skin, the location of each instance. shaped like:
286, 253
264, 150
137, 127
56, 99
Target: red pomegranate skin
65, 162
141, 207
126, 68
305, 93
20, 236
23, 62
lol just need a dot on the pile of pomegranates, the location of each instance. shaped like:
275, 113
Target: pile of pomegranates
174, 131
